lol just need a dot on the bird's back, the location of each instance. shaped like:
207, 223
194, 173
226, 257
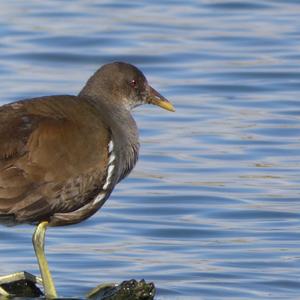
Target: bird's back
53, 157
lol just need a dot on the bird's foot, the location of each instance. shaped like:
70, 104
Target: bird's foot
20, 284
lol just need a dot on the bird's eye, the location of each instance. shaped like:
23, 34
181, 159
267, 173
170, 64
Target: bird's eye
133, 83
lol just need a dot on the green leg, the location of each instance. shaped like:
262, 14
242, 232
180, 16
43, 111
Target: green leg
38, 241
3, 292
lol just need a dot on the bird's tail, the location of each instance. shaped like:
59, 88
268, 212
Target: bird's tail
7, 219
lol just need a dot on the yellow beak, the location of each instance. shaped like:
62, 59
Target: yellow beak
157, 99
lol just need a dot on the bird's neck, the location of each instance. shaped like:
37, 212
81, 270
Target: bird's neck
123, 128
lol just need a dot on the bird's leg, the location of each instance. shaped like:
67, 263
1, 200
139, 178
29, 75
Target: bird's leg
38, 241
3, 292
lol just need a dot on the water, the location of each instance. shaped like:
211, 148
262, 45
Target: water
212, 210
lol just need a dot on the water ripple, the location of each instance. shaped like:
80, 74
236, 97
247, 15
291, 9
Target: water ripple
212, 209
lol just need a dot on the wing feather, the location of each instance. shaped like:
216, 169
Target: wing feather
51, 158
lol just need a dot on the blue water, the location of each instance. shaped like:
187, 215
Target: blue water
212, 210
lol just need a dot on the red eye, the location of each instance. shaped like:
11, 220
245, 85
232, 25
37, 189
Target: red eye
133, 83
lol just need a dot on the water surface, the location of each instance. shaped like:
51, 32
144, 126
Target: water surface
212, 209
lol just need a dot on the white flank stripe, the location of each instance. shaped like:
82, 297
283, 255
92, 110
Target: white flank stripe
109, 173
99, 198
106, 185
112, 157
110, 146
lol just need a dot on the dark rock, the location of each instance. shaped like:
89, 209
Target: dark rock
24, 284
22, 288
127, 290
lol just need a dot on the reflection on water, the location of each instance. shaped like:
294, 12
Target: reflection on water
212, 209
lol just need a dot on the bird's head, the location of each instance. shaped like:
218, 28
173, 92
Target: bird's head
123, 84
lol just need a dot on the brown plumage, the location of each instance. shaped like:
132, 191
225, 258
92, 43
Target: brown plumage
54, 150
51, 159
61, 156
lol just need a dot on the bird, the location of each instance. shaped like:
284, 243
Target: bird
61, 156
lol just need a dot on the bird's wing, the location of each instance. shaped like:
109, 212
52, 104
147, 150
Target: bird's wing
47, 159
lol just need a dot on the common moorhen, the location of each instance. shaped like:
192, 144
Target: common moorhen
61, 156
